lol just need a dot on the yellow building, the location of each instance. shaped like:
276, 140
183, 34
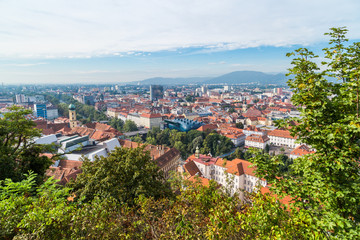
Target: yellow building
72, 116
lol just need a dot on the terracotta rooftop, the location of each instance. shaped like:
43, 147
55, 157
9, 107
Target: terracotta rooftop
257, 138
281, 133
191, 168
203, 159
301, 150
236, 166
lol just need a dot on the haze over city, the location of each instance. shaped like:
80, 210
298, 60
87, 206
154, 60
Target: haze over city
121, 41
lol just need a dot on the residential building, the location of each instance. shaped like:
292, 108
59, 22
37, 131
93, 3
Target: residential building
166, 158
301, 151
282, 138
234, 175
257, 141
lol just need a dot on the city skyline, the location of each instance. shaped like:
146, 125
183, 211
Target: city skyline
114, 42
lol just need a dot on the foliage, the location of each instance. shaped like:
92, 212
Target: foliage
324, 185
129, 126
186, 142
216, 144
239, 125
124, 175
136, 138
33, 212
85, 113
190, 98
18, 151
116, 123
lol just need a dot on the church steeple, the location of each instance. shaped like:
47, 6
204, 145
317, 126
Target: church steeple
72, 116
197, 152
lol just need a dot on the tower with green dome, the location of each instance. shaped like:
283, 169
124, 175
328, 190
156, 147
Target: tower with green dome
72, 115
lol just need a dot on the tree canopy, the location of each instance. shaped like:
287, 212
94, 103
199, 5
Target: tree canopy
124, 175
324, 185
18, 151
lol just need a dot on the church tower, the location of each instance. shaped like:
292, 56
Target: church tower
72, 116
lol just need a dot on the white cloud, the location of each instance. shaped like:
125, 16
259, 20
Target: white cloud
83, 28
24, 64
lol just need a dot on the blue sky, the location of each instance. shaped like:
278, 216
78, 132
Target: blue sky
93, 41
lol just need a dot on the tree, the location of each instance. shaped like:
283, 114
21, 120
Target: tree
116, 123
216, 144
239, 125
237, 154
267, 148
41, 212
18, 151
124, 175
130, 126
324, 185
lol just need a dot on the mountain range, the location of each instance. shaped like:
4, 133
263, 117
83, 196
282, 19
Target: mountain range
238, 77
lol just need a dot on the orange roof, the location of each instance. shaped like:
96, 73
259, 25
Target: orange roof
301, 150
203, 181
207, 127
151, 115
236, 166
281, 133
191, 168
285, 200
257, 138
203, 159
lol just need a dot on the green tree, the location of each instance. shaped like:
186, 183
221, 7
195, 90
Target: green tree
116, 123
34, 212
324, 185
18, 151
239, 125
129, 126
237, 154
216, 144
267, 148
124, 175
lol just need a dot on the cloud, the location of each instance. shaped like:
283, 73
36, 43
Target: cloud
24, 64
217, 63
84, 28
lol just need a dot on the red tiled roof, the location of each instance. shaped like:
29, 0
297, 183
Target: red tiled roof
301, 150
236, 166
151, 115
285, 200
281, 133
203, 181
207, 127
191, 168
257, 138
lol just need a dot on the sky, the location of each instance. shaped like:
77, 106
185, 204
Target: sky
116, 41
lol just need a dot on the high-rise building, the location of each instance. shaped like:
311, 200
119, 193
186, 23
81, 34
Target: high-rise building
72, 116
88, 99
156, 92
40, 110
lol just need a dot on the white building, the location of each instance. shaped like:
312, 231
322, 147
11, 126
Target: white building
282, 138
237, 139
257, 141
234, 175
150, 120
251, 129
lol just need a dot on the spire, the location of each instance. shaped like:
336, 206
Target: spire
197, 152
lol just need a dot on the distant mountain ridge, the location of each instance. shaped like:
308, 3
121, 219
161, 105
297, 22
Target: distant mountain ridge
237, 77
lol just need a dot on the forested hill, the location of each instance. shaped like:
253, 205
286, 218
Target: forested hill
238, 77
